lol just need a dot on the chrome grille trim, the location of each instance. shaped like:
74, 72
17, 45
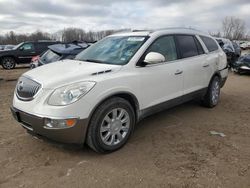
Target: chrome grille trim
27, 88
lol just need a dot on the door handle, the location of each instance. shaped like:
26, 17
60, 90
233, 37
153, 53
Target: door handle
178, 72
206, 65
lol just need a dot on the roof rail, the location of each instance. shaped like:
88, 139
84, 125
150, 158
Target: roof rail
189, 28
167, 28
142, 30
47, 41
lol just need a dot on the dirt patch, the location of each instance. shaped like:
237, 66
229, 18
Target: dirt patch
170, 149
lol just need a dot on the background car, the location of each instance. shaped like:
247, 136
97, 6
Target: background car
245, 45
23, 53
237, 49
9, 47
2, 47
59, 52
228, 48
242, 65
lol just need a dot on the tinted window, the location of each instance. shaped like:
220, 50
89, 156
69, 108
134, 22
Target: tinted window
187, 46
42, 46
27, 47
165, 46
210, 43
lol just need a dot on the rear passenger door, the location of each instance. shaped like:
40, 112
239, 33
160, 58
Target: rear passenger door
192, 59
212, 58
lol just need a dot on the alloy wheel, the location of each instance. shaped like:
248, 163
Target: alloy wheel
115, 126
215, 92
8, 63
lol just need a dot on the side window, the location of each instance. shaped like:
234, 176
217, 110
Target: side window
165, 46
187, 46
199, 47
41, 46
210, 43
27, 47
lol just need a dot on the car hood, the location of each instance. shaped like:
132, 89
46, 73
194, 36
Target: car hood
4, 52
69, 71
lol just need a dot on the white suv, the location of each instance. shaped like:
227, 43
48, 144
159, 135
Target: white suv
100, 96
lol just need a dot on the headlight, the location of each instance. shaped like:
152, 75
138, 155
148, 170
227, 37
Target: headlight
69, 94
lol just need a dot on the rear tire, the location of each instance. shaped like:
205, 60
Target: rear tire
111, 125
8, 63
212, 96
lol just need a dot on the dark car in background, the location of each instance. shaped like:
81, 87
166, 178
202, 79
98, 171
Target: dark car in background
2, 47
237, 49
23, 53
229, 49
9, 47
59, 52
242, 65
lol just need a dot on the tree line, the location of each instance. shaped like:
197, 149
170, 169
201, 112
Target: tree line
66, 35
232, 28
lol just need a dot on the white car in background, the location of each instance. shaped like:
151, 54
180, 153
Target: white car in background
98, 97
245, 45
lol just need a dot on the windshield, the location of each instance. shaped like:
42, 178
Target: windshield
49, 56
17, 46
117, 50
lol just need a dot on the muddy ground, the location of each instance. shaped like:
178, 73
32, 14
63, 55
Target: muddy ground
170, 149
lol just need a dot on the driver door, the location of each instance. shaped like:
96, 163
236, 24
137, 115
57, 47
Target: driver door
161, 82
26, 52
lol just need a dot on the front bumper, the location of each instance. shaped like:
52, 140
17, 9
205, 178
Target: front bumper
35, 124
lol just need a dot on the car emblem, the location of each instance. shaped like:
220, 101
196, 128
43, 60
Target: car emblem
20, 86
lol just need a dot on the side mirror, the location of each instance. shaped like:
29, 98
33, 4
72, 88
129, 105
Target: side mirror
154, 57
21, 49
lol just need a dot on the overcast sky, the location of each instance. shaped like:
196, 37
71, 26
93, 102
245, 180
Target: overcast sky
25, 16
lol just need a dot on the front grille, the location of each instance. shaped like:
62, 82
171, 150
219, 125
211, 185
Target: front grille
26, 88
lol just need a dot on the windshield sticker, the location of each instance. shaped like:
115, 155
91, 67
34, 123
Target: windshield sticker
137, 39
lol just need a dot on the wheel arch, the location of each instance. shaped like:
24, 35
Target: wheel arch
12, 56
217, 73
131, 98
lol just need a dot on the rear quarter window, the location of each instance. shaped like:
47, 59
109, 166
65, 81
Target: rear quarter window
210, 43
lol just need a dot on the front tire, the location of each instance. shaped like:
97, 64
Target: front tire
211, 99
8, 63
111, 125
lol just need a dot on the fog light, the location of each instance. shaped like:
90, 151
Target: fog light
59, 123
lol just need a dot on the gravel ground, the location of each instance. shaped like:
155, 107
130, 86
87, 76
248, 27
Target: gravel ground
171, 149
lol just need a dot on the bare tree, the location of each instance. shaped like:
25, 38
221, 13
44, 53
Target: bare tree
215, 34
13, 38
66, 35
71, 34
77, 34
233, 28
